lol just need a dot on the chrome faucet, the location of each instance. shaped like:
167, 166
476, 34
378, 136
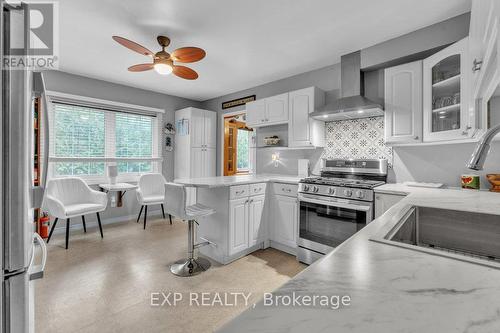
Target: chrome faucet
477, 159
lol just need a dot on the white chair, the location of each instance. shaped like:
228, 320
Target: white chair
151, 191
176, 205
65, 198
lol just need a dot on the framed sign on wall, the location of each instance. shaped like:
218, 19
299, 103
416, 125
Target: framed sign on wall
238, 102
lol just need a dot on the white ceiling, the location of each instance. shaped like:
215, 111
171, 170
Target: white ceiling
248, 43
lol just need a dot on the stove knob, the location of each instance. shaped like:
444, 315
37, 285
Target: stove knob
306, 188
331, 191
347, 192
360, 194
315, 189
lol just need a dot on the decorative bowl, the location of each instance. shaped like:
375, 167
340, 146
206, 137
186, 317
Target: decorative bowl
271, 141
494, 179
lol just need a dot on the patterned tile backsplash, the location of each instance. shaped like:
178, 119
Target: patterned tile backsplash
357, 138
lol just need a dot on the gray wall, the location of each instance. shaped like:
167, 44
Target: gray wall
405, 46
84, 86
327, 79
374, 58
441, 163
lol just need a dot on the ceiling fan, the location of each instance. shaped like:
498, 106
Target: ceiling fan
163, 62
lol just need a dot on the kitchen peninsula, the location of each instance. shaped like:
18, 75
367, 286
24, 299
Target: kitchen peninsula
252, 212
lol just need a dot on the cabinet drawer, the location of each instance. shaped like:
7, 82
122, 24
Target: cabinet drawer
257, 189
285, 189
239, 191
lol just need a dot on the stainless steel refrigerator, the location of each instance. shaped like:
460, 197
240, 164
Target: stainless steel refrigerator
18, 196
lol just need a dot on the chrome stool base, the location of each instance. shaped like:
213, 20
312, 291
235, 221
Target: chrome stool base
190, 267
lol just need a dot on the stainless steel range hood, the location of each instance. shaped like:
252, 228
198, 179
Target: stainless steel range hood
351, 105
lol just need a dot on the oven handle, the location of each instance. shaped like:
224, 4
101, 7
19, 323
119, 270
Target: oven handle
364, 208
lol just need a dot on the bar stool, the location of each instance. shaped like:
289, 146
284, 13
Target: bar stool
176, 205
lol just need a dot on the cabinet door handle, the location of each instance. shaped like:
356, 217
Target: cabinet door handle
476, 65
416, 137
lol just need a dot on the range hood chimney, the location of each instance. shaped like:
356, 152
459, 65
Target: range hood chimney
352, 104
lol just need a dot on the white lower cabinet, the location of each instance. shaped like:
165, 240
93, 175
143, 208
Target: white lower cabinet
248, 217
247, 222
238, 225
285, 220
256, 221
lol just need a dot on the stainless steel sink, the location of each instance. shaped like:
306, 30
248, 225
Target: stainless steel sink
465, 236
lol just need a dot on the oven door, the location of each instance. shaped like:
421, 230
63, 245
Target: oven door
327, 222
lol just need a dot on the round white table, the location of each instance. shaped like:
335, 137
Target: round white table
120, 189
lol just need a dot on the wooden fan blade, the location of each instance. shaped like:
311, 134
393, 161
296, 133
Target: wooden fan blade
141, 67
185, 72
188, 54
133, 46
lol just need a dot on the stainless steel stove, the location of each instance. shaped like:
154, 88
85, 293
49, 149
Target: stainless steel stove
336, 204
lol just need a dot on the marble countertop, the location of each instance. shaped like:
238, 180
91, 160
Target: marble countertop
392, 289
221, 181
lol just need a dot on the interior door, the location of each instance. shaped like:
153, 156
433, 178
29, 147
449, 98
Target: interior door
230, 148
238, 225
256, 220
277, 109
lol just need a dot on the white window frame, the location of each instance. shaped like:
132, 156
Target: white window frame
108, 107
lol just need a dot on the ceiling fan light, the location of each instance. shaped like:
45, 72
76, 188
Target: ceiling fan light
163, 69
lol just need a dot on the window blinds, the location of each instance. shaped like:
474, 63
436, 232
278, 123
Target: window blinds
83, 139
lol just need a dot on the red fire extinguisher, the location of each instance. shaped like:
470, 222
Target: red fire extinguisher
43, 225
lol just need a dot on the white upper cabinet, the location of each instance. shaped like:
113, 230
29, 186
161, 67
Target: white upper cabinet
203, 124
256, 112
483, 34
268, 111
210, 133
446, 95
195, 146
484, 57
277, 109
304, 131
403, 103
197, 128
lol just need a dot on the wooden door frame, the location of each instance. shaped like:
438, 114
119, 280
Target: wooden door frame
221, 136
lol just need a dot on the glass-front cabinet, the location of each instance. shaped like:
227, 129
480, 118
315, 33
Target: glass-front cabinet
446, 95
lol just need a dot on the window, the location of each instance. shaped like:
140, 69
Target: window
78, 132
133, 135
243, 161
85, 139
